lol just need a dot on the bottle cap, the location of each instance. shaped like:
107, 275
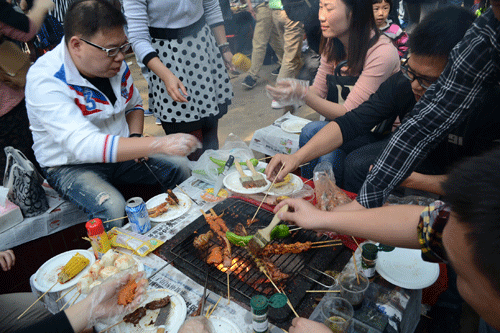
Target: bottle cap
278, 300
94, 227
369, 251
259, 304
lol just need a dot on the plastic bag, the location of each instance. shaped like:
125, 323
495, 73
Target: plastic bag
328, 194
207, 170
198, 324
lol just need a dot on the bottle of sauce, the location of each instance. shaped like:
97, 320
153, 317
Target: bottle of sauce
368, 259
98, 237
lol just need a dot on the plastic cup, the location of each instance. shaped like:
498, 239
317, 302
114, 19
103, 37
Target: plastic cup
351, 290
337, 314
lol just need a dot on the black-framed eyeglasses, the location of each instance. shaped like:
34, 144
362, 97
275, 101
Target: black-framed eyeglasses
408, 73
113, 51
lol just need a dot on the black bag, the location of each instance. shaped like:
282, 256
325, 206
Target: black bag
50, 34
24, 184
301, 10
339, 88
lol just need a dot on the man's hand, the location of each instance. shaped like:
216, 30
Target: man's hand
302, 325
7, 260
302, 213
178, 144
291, 163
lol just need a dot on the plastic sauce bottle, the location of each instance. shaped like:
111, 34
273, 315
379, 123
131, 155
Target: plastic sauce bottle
368, 259
98, 237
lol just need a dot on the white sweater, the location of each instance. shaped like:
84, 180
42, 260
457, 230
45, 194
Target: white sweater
171, 14
71, 120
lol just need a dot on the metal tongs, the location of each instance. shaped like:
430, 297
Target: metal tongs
204, 297
320, 272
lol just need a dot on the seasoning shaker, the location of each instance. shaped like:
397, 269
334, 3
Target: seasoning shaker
260, 305
368, 259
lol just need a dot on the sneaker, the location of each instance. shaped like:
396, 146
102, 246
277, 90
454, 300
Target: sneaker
148, 113
249, 82
158, 121
276, 71
277, 105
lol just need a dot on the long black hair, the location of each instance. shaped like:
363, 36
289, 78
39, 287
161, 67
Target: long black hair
360, 31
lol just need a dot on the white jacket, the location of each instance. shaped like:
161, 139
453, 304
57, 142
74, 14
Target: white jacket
71, 120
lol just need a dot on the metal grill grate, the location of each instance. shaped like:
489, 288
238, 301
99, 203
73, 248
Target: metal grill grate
246, 280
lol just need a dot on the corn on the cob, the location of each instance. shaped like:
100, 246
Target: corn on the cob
74, 266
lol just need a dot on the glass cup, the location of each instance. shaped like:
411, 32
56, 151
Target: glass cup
351, 290
337, 314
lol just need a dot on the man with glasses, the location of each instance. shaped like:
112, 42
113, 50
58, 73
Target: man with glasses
87, 117
396, 97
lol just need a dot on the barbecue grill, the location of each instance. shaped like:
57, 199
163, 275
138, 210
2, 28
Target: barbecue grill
246, 280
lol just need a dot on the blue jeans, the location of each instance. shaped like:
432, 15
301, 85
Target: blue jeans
336, 157
89, 186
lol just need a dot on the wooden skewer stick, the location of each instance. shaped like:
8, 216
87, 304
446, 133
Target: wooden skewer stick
267, 192
39, 298
186, 193
212, 311
287, 300
79, 294
228, 289
355, 267
355, 241
327, 241
322, 291
264, 158
110, 327
307, 181
304, 164
326, 245
295, 229
57, 300
72, 297
208, 311
118, 218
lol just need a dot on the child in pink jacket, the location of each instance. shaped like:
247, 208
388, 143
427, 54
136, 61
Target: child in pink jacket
381, 9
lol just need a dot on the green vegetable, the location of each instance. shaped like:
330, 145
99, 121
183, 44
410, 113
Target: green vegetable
280, 231
222, 162
238, 240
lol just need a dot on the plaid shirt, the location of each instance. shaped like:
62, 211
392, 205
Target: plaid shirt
473, 68
430, 231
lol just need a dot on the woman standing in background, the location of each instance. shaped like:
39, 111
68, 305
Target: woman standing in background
183, 43
14, 124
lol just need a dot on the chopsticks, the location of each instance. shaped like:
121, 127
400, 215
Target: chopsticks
208, 314
267, 192
39, 298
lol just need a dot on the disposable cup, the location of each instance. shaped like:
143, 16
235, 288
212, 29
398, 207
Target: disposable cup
352, 289
337, 314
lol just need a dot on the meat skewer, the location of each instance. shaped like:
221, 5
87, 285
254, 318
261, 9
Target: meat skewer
159, 303
201, 242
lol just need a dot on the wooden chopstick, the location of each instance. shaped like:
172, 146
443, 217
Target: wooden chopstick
57, 300
108, 328
267, 192
39, 298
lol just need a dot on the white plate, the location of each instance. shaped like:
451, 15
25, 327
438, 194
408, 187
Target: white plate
406, 268
173, 212
223, 325
232, 182
294, 125
46, 275
175, 318
295, 184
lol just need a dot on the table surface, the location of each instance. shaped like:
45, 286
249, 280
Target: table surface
171, 278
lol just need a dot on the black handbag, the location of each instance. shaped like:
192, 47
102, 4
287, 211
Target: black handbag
24, 184
339, 88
